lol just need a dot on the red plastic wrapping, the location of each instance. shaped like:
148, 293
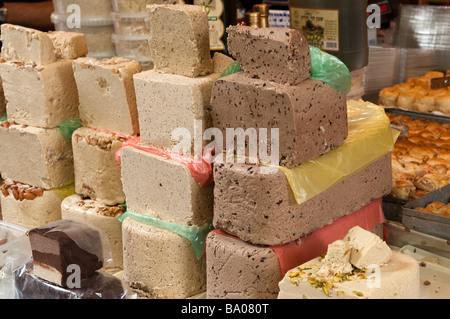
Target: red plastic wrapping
295, 253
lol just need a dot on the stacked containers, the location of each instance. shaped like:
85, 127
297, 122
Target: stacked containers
132, 30
93, 18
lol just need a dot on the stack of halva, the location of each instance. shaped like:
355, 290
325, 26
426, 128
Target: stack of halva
108, 114
255, 210
36, 160
162, 194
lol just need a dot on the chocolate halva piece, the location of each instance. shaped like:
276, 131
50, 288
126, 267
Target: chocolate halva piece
272, 54
64, 243
179, 42
311, 117
260, 208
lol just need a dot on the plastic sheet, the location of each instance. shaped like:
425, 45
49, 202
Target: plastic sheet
3, 118
64, 191
201, 169
234, 67
195, 234
67, 128
15, 251
100, 285
369, 138
329, 69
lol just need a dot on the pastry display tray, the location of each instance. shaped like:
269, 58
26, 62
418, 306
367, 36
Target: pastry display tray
398, 235
434, 273
428, 223
440, 119
392, 206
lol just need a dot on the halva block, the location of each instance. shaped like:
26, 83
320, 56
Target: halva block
26, 45
311, 117
42, 96
29, 206
236, 269
160, 263
39, 157
260, 207
273, 54
164, 188
168, 102
97, 172
69, 45
106, 93
179, 41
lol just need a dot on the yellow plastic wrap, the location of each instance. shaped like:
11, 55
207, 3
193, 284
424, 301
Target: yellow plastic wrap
65, 191
370, 137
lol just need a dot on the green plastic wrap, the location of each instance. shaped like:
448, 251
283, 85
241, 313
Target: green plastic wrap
370, 137
195, 234
329, 69
4, 118
67, 128
233, 67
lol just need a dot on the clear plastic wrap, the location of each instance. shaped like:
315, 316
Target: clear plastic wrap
15, 251
369, 138
201, 169
100, 285
77, 231
195, 234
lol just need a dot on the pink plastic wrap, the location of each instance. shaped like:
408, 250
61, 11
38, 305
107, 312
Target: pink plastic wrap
315, 244
201, 169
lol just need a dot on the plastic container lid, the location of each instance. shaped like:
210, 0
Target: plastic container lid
87, 22
129, 15
117, 38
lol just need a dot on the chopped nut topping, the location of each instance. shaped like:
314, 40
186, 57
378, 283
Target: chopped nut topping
21, 191
7, 124
112, 211
103, 142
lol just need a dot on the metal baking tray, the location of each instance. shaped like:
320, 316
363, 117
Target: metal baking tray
427, 223
393, 207
440, 119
